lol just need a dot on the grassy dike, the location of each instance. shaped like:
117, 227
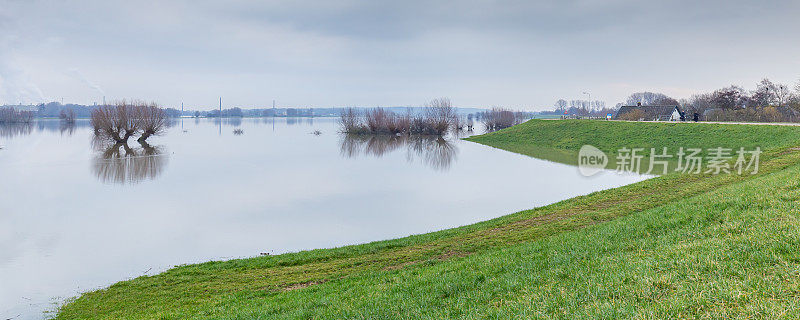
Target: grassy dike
675, 246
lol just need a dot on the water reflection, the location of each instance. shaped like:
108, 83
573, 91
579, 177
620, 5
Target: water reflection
121, 164
233, 122
66, 127
11, 130
55, 249
434, 152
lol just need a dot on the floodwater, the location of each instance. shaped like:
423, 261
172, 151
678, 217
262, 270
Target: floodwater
77, 215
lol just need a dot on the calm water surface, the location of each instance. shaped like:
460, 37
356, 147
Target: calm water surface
77, 216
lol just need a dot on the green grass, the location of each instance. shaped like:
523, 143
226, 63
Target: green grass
559, 141
675, 246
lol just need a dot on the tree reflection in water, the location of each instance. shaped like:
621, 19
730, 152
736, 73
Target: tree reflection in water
66, 127
121, 164
434, 151
11, 130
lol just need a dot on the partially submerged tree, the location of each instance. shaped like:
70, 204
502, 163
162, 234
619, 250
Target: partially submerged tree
123, 120
500, 118
379, 120
67, 115
437, 118
350, 121
440, 113
152, 120
114, 123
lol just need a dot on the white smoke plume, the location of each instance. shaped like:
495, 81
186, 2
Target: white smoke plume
75, 73
15, 85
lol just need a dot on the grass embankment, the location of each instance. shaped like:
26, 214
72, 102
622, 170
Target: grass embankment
673, 246
560, 141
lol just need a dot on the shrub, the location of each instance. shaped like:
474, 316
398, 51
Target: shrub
437, 118
351, 122
67, 115
499, 118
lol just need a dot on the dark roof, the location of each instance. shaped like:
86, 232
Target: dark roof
650, 112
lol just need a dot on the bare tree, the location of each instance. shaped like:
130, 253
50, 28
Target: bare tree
67, 115
561, 106
350, 121
761, 96
11, 115
650, 98
730, 98
459, 123
500, 118
151, 119
782, 94
797, 89
795, 99
377, 120
437, 118
768, 93
115, 122
123, 120
440, 114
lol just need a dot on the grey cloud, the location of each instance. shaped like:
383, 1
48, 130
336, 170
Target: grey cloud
323, 53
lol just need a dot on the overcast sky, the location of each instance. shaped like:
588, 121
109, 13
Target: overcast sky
521, 54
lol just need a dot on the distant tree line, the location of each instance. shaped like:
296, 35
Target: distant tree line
10, 115
769, 101
583, 108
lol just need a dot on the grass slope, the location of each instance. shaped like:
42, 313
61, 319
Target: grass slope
560, 141
674, 246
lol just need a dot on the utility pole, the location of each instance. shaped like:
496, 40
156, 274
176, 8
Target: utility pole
590, 100
273, 115
181, 116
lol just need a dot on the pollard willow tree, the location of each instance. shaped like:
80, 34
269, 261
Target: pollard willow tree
123, 120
